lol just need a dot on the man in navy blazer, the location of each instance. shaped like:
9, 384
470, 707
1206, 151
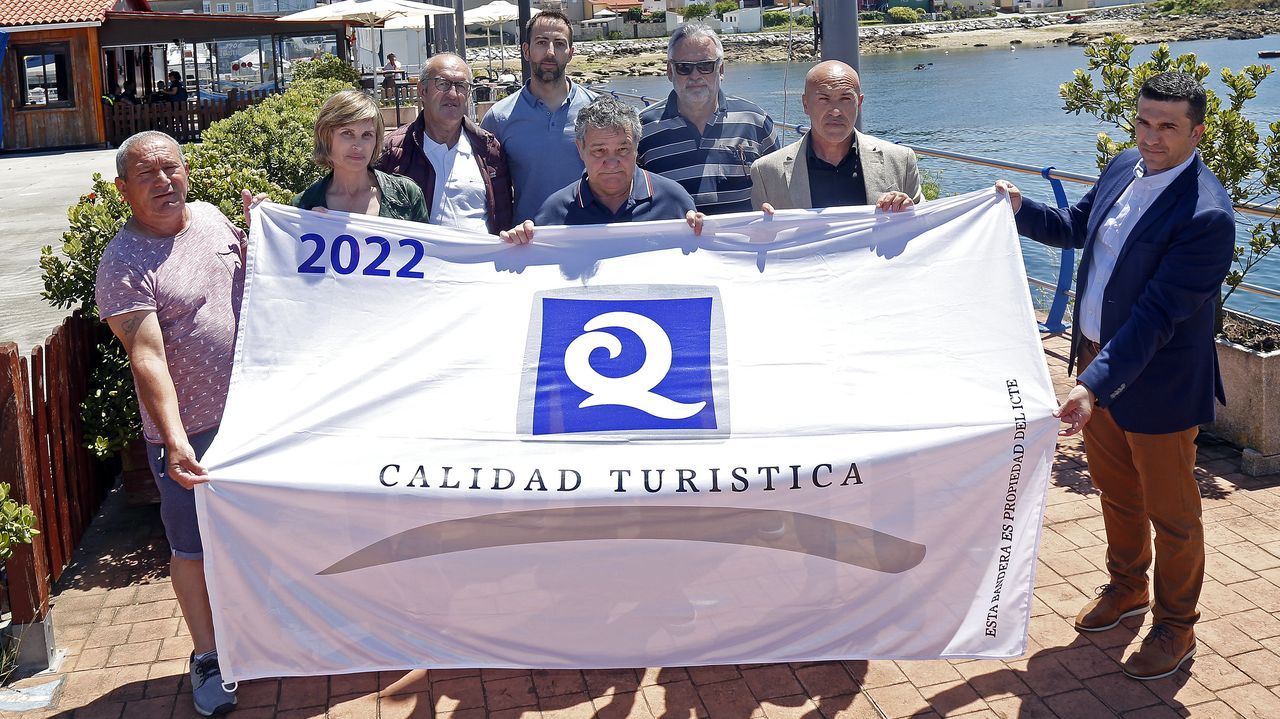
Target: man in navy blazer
1158, 233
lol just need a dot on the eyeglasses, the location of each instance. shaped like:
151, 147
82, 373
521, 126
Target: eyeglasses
706, 67
444, 85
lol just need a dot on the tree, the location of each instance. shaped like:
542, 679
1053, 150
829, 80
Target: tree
725, 6
633, 14
1247, 165
697, 11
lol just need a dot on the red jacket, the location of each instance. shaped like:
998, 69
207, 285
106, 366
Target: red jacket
403, 155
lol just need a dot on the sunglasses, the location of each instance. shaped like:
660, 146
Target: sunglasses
706, 67
443, 85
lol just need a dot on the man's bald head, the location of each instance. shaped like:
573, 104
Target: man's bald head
832, 99
834, 73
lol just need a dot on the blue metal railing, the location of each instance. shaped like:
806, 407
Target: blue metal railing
1062, 293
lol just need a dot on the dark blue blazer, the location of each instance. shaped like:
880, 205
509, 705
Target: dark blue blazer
1158, 369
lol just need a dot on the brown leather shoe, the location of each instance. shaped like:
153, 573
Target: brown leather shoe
1162, 652
1112, 604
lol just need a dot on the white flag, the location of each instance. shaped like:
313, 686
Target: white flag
824, 435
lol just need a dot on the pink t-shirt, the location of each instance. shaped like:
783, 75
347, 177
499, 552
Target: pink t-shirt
193, 281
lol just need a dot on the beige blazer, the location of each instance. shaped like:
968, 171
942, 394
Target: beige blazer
781, 178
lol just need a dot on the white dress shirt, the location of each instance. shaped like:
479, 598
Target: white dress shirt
1123, 216
458, 199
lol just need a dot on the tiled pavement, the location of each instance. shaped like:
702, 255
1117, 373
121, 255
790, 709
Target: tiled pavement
116, 616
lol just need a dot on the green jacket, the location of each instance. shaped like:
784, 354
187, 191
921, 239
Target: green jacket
401, 198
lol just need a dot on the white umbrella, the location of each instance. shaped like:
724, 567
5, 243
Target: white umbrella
371, 13
497, 12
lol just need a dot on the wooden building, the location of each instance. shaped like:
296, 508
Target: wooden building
77, 73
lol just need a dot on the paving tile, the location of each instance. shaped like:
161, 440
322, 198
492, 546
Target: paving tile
797, 706
1216, 709
1252, 701
1157, 711
729, 700
257, 693
154, 629
712, 674
1262, 666
555, 682
412, 682
953, 698
621, 705
303, 692
674, 699
462, 693
923, 674
619, 681
158, 708
1255, 623
1216, 673
829, 679
993, 680
1261, 592
663, 675
405, 705
1079, 704
354, 707
510, 693
875, 673
899, 700
1085, 661
341, 685
1224, 638
108, 636
1121, 693
136, 653
767, 681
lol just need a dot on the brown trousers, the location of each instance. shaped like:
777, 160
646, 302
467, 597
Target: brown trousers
1149, 477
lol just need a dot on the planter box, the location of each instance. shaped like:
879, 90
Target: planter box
407, 114
1251, 418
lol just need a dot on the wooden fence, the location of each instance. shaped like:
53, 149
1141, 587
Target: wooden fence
44, 460
184, 121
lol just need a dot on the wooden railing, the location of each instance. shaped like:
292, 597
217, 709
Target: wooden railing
184, 121
44, 460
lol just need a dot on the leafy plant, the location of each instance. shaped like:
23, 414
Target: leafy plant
326, 67
724, 6
633, 14
658, 16
697, 11
903, 15
1247, 165
17, 524
274, 136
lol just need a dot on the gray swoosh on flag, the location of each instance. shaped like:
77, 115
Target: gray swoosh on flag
767, 528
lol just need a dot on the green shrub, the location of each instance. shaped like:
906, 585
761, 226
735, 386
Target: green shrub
614, 35
658, 16
696, 11
774, 19
633, 14
724, 6
904, 15
17, 524
871, 16
804, 20
326, 67
274, 136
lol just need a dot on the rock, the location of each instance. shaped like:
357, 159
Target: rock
979, 44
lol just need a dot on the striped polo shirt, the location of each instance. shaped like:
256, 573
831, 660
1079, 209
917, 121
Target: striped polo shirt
714, 166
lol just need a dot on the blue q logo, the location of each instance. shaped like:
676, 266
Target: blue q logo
632, 360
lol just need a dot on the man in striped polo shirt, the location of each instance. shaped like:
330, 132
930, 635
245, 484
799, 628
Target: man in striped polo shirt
700, 137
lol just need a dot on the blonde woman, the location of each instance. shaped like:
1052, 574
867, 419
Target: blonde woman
348, 140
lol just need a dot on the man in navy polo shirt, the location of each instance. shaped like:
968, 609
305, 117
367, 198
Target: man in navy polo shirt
613, 189
700, 137
535, 125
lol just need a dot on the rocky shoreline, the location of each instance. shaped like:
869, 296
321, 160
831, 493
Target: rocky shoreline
603, 59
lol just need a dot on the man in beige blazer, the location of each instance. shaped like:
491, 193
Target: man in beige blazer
834, 164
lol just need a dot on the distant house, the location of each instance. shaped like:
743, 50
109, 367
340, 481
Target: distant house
82, 72
743, 20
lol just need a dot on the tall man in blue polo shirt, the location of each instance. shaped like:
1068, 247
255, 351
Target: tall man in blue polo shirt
700, 137
613, 189
535, 125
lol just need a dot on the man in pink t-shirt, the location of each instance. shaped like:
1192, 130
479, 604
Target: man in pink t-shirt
169, 286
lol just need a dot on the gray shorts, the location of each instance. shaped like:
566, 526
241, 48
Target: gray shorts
177, 503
